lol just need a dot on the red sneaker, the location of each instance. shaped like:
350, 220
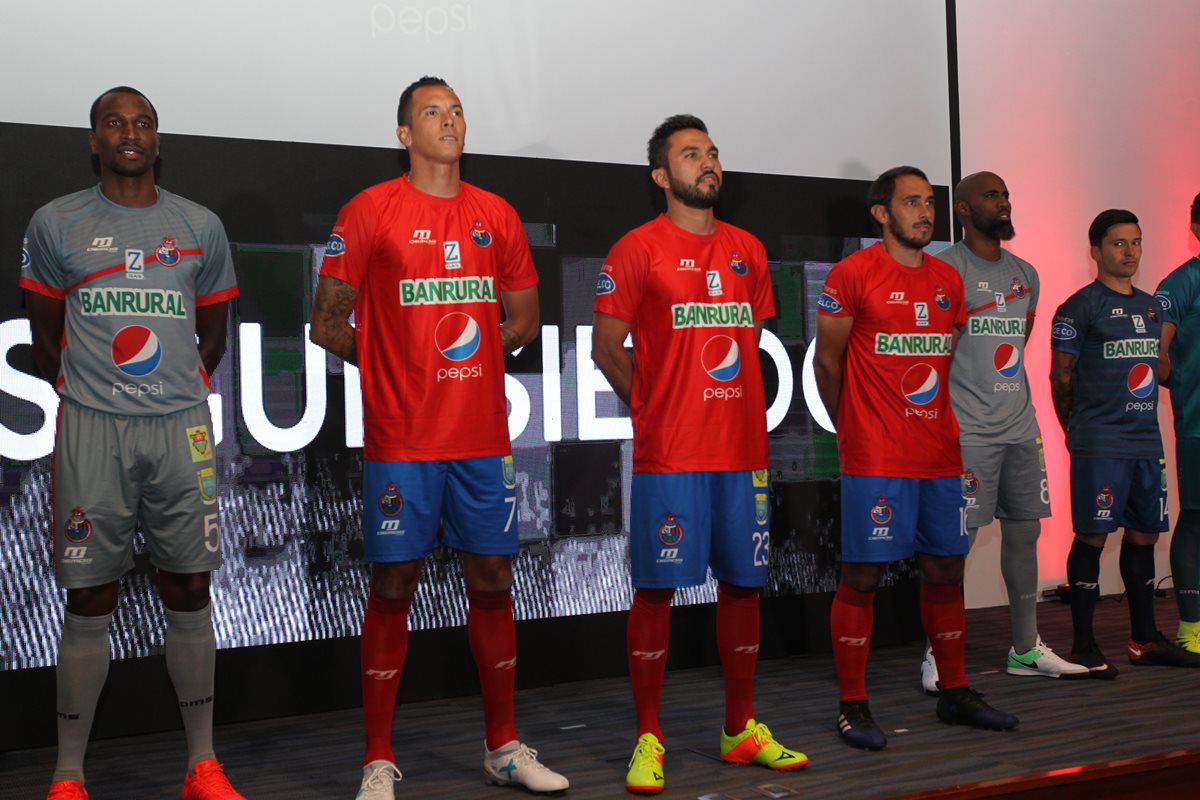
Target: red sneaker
207, 781
67, 790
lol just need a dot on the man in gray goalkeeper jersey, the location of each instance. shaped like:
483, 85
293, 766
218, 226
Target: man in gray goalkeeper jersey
127, 288
1004, 469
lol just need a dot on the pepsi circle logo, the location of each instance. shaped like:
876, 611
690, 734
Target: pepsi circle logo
136, 351
457, 336
1140, 381
721, 358
1007, 360
920, 384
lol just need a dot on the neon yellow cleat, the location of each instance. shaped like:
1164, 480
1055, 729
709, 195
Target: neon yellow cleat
756, 745
1188, 636
645, 774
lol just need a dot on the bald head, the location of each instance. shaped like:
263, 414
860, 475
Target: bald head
982, 205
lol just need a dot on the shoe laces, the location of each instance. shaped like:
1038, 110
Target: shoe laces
969, 697
381, 776
526, 756
761, 734
647, 751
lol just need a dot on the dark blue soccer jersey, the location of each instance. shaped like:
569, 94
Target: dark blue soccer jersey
1115, 336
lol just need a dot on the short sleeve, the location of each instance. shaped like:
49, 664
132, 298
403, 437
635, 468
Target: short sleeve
960, 301
619, 284
216, 281
763, 301
41, 264
1176, 294
840, 295
1070, 326
348, 250
1035, 285
516, 263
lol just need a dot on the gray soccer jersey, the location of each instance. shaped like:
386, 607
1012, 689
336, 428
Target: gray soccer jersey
988, 386
132, 279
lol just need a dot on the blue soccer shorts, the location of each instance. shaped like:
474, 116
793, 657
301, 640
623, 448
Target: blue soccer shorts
1110, 493
888, 519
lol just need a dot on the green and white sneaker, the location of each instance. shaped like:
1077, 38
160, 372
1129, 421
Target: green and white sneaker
1041, 660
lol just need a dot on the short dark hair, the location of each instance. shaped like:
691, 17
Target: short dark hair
656, 148
1196, 210
1105, 220
119, 90
404, 108
883, 187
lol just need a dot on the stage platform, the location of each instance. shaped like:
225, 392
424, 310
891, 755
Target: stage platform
585, 730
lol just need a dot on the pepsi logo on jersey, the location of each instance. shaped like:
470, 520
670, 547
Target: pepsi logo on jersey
457, 337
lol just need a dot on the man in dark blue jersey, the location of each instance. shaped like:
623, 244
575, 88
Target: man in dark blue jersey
1104, 384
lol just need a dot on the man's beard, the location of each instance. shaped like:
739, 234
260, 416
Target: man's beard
996, 228
905, 239
691, 195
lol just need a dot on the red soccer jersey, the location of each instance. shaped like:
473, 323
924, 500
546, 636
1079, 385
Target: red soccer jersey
894, 418
691, 302
429, 272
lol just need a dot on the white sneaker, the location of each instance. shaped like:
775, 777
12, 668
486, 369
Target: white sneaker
929, 673
516, 764
1041, 660
379, 777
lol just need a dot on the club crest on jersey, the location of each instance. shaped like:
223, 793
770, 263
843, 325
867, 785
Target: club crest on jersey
78, 528
509, 472
759, 478
390, 501
480, 234
201, 447
457, 336
167, 253
970, 483
136, 351
920, 384
760, 508
335, 246
881, 512
721, 358
1105, 498
1152, 313
670, 533
736, 264
940, 299
1007, 360
1018, 289
206, 480
605, 284
1140, 381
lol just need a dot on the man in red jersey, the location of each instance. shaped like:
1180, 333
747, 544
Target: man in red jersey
425, 263
887, 322
694, 292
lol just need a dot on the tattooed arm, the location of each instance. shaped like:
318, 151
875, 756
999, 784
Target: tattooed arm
331, 328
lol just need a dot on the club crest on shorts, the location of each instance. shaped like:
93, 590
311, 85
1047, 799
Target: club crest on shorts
941, 299
970, 483
78, 528
390, 502
759, 477
201, 448
509, 472
760, 508
1105, 498
670, 532
167, 253
737, 264
480, 235
206, 481
881, 512
1018, 289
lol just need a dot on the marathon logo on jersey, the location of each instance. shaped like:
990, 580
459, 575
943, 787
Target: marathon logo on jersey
1017, 288
760, 508
422, 236
135, 265
201, 445
759, 478
670, 534
1141, 384
1116, 312
983, 286
711, 315
480, 235
605, 284
115, 302
335, 247
1064, 332
920, 385
995, 326
136, 351
828, 303
1007, 360
737, 264
26, 259
74, 555
447, 291
102, 244
687, 265
390, 501
457, 337
167, 253
912, 344
206, 480
452, 255
508, 472
78, 528
895, 298
713, 279
941, 299
921, 312
1131, 348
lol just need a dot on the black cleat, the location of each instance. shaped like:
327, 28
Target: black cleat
857, 726
1088, 654
1161, 652
965, 706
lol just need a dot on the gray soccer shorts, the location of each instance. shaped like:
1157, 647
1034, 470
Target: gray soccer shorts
112, 471
1006, 481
